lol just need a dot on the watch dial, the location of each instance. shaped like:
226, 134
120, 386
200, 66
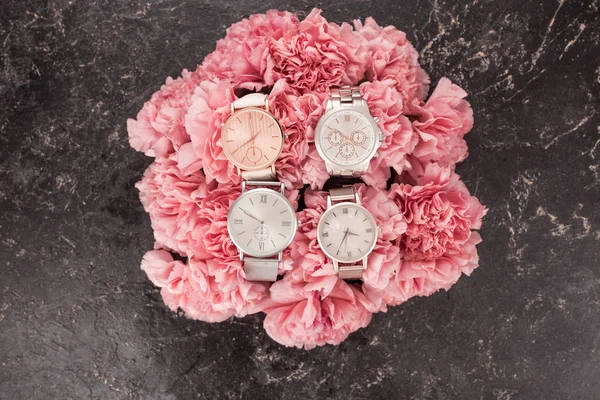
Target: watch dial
251, 138
347, 137
261, 222
347, 232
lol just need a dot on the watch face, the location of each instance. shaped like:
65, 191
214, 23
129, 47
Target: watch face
347, 232
261, 222
347, 137
252, 139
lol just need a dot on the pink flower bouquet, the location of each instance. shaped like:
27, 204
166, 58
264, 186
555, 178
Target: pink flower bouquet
426, 217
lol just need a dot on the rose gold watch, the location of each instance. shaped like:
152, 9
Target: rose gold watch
252, 138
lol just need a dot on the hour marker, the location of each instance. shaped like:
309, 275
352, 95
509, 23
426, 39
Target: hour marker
334, 214
229, 141
271, 125
329, 245
261, 117
249, 243
349, 254
261, 245
369, 230
238, 221
282, 212
336, 120
274, 148
346, 118
263, 198
364, 219
327, 223
337, 253
251, 201
286, 223
356, 122
325, 234
281, 234
275, 202
241, 233
239, 120
355, 212
345, 210
359, 251
366, 241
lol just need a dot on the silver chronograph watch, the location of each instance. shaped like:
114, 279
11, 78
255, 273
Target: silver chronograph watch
347, 136
347, 232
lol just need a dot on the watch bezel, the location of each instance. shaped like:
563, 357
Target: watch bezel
364, 111
320, 227
254, 191
226, 150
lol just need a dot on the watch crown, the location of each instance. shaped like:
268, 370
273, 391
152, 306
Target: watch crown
376, 119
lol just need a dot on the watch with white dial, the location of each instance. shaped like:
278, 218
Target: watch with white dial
261, 223
252, 138
347, 232
347, 136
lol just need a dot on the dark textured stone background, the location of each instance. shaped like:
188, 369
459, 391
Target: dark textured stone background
79, 319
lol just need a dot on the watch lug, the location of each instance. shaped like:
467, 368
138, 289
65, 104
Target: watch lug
364, 262
328, 105
280, 256
329, 167
336, 266
243, 186
328, 202
242, 255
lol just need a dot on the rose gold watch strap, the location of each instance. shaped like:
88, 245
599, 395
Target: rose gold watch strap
261, 269
265, 174
251, 100
351, 271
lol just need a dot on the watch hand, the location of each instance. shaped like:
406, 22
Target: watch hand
252, 216
343, 240
353, 234
248, 141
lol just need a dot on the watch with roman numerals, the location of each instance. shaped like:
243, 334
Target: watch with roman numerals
347, 136
347, 232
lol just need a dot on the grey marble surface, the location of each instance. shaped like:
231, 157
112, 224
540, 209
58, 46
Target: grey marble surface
79, 319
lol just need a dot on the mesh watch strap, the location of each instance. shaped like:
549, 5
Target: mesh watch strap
261, 269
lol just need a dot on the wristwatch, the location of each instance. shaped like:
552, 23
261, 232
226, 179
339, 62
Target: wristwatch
261, 221
252, 138
347, 136
347, 232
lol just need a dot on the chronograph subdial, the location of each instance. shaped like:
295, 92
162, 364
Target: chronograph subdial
261, 233
335, 137
254, 154
347, 150
358, 137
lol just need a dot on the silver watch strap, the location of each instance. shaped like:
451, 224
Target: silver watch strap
261, 269
264, 174
345, 96
351, 271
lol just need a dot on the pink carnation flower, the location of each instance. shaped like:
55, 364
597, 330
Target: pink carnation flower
159, 128
210, 108
204, 290
319, 54
439, 243
303, 318
243, 56
170, 198
385, 103
442, 121
391, 56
